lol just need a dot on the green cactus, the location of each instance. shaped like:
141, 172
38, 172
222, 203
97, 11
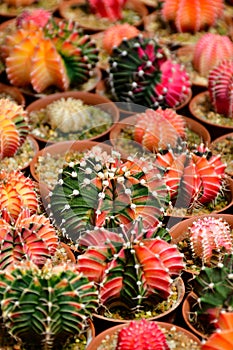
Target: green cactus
43, 308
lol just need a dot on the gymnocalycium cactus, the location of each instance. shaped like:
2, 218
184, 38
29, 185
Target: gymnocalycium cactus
135, 266
114, 35
210, 50
56, 54
141, 335
189, 16
44, 307
14, 127
30, 237
141, 73
220, 88
210, 237
101, 190
111, 9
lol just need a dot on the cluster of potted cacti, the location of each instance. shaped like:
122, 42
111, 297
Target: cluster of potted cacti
92, 243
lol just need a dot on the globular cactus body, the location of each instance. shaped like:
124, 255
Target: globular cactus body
114, 35
220, 82
210, 50
141, 73
192, 16
111, 9
141, 335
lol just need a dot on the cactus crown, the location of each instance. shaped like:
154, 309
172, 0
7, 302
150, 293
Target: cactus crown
14, 127
135, 267
103, 191
114, 35
141, 335
111, 9
220, 88
141, 73
56, 54
44, 306
210, 50
189, 16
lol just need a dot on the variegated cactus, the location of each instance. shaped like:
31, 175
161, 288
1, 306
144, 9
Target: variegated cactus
111, 9
189, 16
14, 127
220, 88
53, 54
133, 267
30, 237
114, 35
103, 191
16, 193
210, 237
195, 177
157, 130
210, 50
141, 335
141, 73
44, 307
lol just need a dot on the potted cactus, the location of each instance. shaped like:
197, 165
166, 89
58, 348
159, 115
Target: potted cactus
145, 335
44, 308
13, 8
98, 15
224, 146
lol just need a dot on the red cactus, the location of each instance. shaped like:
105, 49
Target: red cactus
220, 87
111, 9
39, 16
209, 234
192, 16
157, 129
114, 35
210, 50
141, 335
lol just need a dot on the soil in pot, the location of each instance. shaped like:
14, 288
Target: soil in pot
9, 11
224, 146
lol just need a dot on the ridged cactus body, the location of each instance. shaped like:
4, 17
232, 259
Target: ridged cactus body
220, 83
43, 307
103, 191
191, 16
111, 9
210, 237
131, 267
210, 50
14, 127
141, 73
114, 35
141, 335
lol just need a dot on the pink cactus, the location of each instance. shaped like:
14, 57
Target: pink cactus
39, 16
220, 87
209, 234
210, 50
111, 9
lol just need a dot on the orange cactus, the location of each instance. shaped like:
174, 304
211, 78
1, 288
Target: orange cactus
192, 16
115, 34
17, 192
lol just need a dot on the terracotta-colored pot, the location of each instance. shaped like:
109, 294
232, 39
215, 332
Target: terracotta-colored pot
215, 130
67, 10
108, 332
216, 146
69, 252
189, 301
102, 322
191, 124
87, 98
13, 93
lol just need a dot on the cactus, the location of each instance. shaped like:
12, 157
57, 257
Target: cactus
141, 73
17, 192
220, 88
155, 130
134, 267
14, 127
58, 54
222, 338
141, 335
103, 191
209, 238
114, 35
44, 307
39, 16
30, 237
188, 16
111, 9
210, 50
